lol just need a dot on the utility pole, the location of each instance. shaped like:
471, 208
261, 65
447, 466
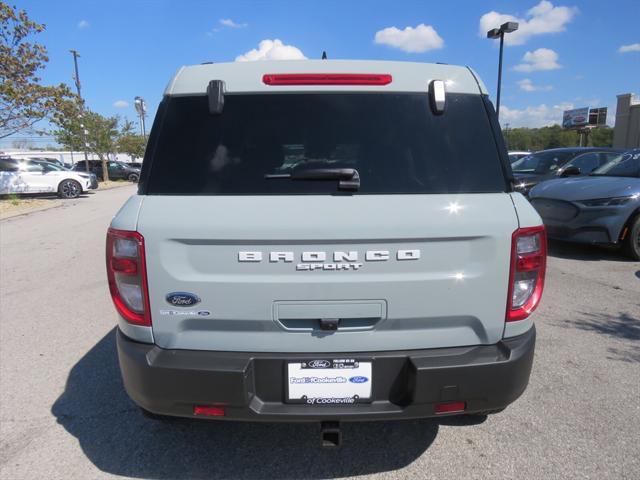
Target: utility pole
84, 130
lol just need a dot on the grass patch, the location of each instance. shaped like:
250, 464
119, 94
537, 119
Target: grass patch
13, 199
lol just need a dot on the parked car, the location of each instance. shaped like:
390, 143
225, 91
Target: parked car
116, 170
602, 208
137, 165
26, 177
353, 264
55, 166
517, 155
558, 162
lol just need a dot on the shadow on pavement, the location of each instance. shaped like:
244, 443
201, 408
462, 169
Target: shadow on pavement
623, 326
118, 439
579, 251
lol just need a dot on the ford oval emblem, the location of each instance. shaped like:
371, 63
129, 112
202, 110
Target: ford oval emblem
358, 379
319, 364
182, 299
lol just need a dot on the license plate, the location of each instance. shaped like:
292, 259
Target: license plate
329, 382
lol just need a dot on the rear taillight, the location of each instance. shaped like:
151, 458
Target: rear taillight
127, 274
526, 277
275, 79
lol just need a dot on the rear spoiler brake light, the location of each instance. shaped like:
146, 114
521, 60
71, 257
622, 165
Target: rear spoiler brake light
275, 79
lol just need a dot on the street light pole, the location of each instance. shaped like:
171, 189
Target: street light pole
499, 75
77, 82
507, 27
141, 108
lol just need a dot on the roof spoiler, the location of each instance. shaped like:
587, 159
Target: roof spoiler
215, 93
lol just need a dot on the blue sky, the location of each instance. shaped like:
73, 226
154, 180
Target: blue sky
567, 52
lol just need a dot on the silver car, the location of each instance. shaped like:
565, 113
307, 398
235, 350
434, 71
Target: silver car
602, 208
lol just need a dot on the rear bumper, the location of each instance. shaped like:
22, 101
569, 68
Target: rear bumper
406, 384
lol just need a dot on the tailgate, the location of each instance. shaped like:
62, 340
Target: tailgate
398, 272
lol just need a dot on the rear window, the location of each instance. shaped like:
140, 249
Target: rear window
394, 141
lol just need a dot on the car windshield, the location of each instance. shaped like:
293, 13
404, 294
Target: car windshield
260, 143
625, 165
541, 163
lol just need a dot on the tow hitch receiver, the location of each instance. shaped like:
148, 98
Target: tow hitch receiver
330, 434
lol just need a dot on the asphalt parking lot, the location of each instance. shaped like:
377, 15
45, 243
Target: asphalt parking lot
64, 414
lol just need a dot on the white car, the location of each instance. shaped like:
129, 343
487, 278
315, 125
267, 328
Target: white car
22, 177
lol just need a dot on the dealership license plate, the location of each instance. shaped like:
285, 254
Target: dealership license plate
329, 382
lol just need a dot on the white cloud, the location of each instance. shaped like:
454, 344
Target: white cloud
528, 86
412, 40
272, 50
541, 19
121, 104
227, 22
634, 47
533, 116
82, 24
540, 59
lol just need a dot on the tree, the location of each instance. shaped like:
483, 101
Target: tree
534, 139
23, 100
102, 133
130, 143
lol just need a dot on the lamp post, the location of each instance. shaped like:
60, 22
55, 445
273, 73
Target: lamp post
141, 108
494, 33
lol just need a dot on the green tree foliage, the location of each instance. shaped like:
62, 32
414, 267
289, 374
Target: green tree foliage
130, 143
534, 139
23, 100
102, 134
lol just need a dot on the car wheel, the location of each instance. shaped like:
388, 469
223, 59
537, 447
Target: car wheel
133, 177
632, 242
69, 189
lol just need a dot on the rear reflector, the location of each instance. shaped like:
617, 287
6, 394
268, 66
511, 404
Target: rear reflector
450, 407
275, 79
526, 276
208, 411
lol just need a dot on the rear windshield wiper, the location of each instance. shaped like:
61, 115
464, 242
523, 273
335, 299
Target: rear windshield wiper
348, 178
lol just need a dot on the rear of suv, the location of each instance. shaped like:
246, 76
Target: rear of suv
325, 241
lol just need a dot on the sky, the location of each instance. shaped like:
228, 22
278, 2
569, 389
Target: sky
566, 53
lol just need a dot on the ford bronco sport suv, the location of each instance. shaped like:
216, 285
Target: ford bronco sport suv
325, 241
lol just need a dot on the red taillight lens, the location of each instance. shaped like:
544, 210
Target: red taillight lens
526, 277
127, 275
275, 79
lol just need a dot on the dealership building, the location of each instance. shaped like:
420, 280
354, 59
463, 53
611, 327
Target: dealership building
626, 133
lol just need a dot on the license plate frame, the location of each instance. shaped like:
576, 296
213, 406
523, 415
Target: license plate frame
328, 381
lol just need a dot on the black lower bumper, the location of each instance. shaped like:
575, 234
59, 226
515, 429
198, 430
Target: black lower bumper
251, 386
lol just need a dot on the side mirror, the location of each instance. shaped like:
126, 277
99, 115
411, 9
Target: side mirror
570, 171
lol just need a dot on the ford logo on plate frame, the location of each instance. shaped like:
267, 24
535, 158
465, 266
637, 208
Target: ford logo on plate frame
358, 379
182, 299
319, 364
